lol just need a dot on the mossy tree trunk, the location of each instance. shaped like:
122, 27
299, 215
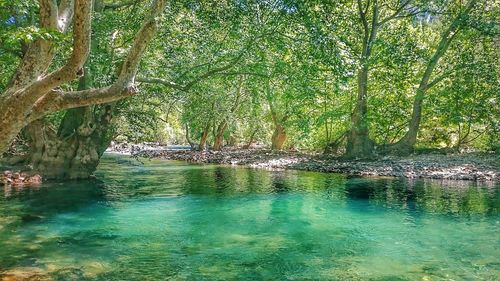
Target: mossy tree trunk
359, 144
279, 137
74, 151
34, 91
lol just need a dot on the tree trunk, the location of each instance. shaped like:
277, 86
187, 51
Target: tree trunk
203, 139
359, 144
190, 142
279, 137
406, 144
250, 140
219, 136
75, 150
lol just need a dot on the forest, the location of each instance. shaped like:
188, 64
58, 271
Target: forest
354, 78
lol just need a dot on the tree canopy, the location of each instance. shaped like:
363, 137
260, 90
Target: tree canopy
358, 78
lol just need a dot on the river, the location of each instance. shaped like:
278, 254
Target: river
168, 220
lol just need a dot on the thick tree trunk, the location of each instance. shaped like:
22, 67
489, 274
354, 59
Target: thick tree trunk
219, 136
203, 139
359, 144
279, 137
75, 150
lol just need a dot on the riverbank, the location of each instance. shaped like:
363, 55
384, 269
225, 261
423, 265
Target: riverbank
472, 166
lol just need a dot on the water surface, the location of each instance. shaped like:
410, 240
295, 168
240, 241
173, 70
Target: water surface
167, 220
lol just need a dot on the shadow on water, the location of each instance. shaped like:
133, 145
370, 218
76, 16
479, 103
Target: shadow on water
31, 204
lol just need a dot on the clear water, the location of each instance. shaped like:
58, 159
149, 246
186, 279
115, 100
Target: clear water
169, 220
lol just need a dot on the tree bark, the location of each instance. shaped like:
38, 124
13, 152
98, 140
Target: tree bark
83, 135
279, 137
219, 136
203, 140
74, 151
359, 144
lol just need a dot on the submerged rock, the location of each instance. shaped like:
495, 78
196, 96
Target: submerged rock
24, 274
20, 179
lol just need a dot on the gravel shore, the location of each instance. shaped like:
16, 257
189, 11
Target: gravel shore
472, 166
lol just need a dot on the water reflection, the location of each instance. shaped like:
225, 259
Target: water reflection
456, 197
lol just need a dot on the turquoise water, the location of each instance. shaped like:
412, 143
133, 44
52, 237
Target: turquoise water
165, 220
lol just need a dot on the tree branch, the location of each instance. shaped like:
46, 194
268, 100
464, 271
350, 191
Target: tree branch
160, 81
441, 77
362, 16
215, 71
122, 87
396, 13
37, 58
115, 6
73, 67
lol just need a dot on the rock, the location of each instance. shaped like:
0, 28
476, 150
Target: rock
24, 274
20, 179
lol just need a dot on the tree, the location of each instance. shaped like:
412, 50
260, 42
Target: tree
35, 91
74, 148
406, 144
371, 16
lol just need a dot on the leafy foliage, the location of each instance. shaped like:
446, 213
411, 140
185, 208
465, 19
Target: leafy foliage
254, 64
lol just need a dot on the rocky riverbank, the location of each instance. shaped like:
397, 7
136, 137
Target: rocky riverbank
473, 166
